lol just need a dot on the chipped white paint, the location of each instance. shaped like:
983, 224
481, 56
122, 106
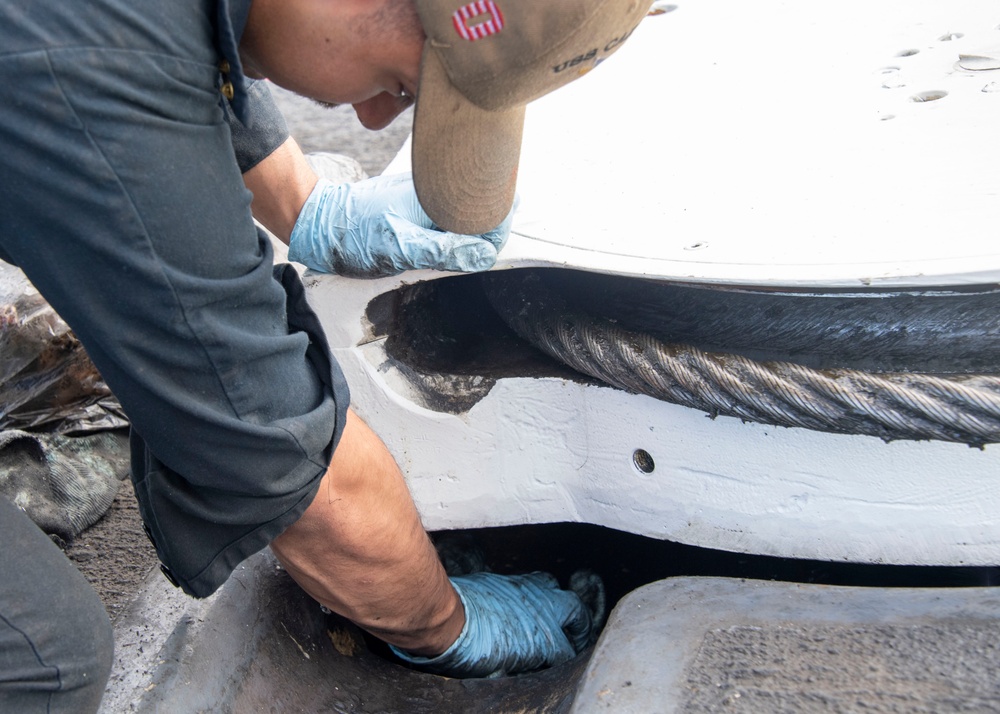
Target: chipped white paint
547, 450
770, 143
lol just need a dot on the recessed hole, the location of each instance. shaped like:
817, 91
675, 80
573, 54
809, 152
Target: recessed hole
992, 87
643, 461
696, 246
891, 78
931, 96
979, 63
661, 8
887, 117
951, 36
908, 53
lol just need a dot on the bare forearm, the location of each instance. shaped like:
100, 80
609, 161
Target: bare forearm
361, 550
280, 185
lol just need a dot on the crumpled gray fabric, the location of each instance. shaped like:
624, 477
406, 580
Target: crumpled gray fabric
64, 484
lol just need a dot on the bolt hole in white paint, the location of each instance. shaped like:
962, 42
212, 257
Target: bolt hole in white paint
908, 53
979, 63
931, 96
643, 461
697, 246
891, 77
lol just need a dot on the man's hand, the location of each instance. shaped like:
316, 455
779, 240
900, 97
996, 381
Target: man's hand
376, 228
513, 624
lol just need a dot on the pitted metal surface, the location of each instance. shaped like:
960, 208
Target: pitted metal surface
698, 645
925, 668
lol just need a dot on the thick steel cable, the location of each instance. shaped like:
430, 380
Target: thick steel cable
897, 405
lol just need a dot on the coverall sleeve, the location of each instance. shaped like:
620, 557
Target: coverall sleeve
124, 204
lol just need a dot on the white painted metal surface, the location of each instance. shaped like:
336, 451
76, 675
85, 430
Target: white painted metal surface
776, 142
770, 143
550, 450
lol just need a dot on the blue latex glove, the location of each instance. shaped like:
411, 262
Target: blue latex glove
513, 624
376, 227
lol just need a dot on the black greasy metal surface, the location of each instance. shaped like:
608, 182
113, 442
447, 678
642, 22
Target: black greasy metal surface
931, 331
265, 646
262, 645
345, 674
447, 340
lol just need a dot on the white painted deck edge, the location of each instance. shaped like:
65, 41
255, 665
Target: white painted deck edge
549, 450
770, 144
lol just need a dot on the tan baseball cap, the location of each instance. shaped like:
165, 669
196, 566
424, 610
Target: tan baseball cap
483, 61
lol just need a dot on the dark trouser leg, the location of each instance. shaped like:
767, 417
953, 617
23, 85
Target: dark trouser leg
56, 644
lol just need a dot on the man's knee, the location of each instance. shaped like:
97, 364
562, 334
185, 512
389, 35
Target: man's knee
88, 654
56, 642
56, 661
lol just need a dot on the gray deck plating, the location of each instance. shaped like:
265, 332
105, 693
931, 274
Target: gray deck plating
261, 645
686, 645
713, 644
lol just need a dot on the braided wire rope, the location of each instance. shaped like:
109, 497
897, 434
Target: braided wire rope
894, 405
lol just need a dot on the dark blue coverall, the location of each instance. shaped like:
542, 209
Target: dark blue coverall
121, 198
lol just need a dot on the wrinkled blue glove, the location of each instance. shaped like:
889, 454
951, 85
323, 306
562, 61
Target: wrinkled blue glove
376, 227
513, 624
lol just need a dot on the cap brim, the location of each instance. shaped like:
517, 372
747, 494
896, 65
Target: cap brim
464, 157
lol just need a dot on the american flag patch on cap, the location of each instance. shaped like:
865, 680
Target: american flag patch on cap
485, 16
